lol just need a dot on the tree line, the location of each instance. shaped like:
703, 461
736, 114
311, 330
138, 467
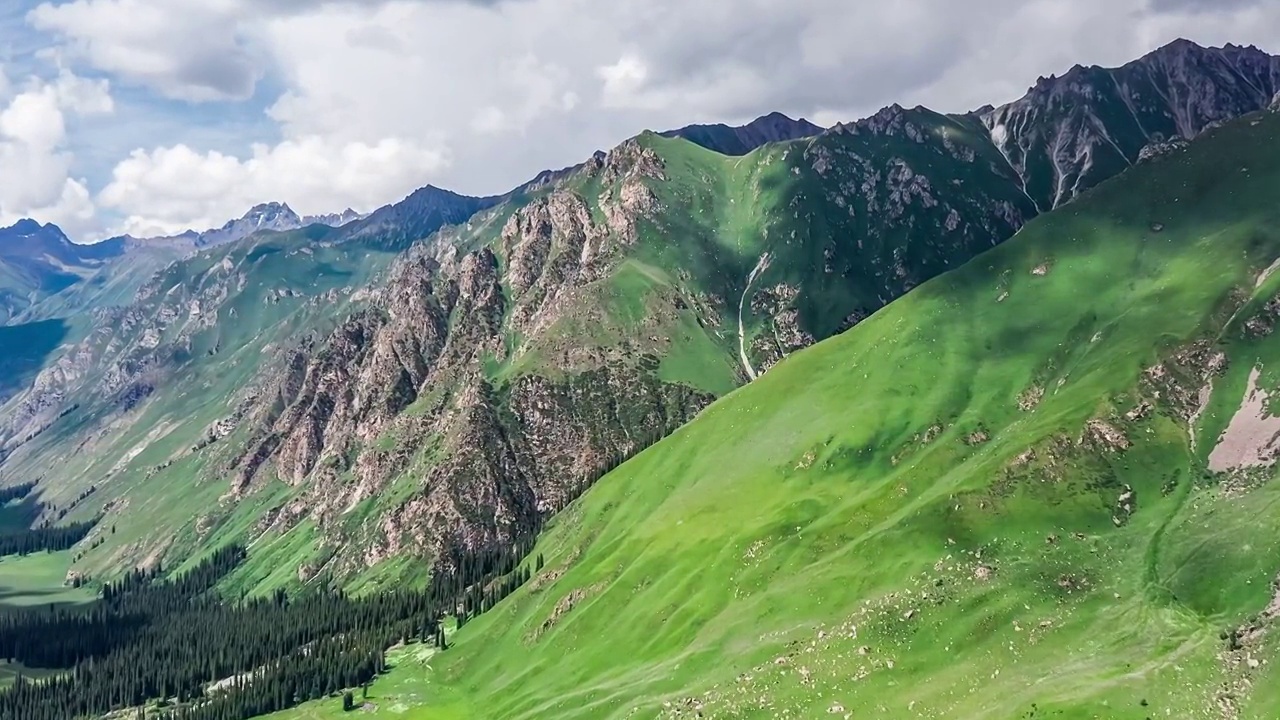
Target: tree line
46, 537
209, 658
16, 492
204, 657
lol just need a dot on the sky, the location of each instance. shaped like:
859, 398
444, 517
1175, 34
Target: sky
149, 117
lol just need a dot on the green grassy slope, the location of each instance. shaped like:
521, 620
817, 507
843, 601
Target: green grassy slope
863, 530
264, 290
673, 293
38, 580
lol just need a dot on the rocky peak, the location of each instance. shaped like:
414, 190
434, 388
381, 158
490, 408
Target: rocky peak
264, 216
631, 158
333, 219
28, 240
24, 227
423, 212
892, 121
1069, 133
273, 215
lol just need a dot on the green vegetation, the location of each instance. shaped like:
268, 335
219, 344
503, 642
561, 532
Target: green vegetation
147, 465
168, 641
877, 527
399, 694
38, 580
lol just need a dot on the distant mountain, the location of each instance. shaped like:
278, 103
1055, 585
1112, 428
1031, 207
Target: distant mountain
740, 140
1069, 133
275, 216
333, 219
265, 216
28, 240
39, 260
453, 392
423, 212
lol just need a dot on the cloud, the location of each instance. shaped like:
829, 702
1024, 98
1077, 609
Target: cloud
184, 49
1203, 6
478, 96
193, 50
36, 167
171, 189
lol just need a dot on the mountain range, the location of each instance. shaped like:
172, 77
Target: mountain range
923, 414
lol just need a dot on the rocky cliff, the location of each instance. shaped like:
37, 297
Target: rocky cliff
394, 388
1069, 133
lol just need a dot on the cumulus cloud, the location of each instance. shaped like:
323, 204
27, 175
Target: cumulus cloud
36, 167
185, 49
196, 50
371, 98
171, 189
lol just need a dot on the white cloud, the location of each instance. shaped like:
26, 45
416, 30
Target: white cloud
35, 166
170, 189
623, 81
185, 49
381, 96
34, 120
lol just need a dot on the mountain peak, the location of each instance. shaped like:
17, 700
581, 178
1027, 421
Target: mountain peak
1175, 91
742, 139
25, 226
272, 206
272, 214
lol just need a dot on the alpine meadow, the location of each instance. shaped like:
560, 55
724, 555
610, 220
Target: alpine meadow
922, 415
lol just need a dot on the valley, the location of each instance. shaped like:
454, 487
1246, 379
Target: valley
924, 415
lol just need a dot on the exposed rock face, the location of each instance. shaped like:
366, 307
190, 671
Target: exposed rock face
1105, 436
551, 246
1183, 382
1263, 322
785, 335
474, 385
1070, 133
1252, 438
508, 453
905, 195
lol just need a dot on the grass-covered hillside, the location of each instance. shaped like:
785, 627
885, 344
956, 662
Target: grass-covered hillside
291, 391
368, 405
1039, 486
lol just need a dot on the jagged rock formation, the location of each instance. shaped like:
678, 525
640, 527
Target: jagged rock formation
398, 388
39, 260
333, 219
510, 452
1069, 133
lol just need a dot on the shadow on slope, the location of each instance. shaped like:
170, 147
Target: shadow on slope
24, 349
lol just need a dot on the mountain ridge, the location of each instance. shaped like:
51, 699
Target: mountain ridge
449, 358
742, 139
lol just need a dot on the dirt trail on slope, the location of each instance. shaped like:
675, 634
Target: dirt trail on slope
1252, 437
761, 264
